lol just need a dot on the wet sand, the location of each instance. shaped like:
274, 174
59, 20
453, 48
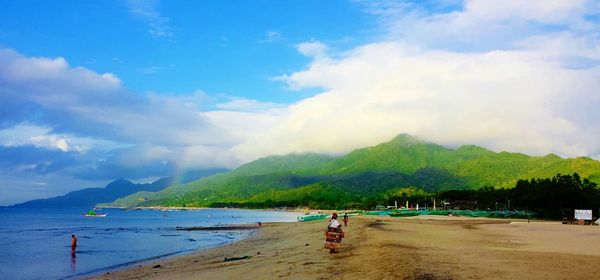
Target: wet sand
424, 247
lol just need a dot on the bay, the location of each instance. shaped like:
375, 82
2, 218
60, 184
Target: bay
35, 243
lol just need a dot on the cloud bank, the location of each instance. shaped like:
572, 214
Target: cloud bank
507, 75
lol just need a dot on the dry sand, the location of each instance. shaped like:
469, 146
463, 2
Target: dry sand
425, 247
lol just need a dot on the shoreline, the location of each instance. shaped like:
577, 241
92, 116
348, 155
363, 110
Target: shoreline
149, 261
131, 264
174, 257
241, 230
379, 247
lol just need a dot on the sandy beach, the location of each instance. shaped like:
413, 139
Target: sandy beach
424, 247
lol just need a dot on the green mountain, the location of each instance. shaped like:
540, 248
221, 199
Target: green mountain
363, 176
257, 176
477, 166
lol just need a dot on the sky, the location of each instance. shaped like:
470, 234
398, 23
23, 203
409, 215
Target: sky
93, 91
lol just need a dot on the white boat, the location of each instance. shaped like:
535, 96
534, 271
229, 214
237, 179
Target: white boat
96, 215
92, 213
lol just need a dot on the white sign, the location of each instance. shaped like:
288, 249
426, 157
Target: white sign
583, 214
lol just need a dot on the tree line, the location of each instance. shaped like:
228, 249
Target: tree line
548, 198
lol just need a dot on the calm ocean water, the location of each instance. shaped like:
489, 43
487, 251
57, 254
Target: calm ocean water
35, 243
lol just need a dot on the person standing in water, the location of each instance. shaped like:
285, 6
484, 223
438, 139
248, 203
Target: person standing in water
345, 219
73, 243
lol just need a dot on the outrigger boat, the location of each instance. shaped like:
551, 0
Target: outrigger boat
92, 213
312, 217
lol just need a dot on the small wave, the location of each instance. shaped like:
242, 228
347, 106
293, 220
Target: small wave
62, 229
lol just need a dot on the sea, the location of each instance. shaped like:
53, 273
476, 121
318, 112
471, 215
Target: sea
36, 243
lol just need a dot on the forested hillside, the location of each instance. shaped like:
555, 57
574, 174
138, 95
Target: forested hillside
363, 177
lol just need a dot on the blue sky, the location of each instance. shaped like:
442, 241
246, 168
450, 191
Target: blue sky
178, 47
92, 91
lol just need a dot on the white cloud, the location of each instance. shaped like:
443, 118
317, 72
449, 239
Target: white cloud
272, 36
314, 49
564, 47
483, 25
247, 105
83, 102
553, 12
246, 125
42, 137
59, 107
158, 26
18, 68
71, 124
505, 100
508, 75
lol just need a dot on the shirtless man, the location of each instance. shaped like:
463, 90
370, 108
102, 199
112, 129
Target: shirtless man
73, 243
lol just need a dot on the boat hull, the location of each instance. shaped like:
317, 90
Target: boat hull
96, 215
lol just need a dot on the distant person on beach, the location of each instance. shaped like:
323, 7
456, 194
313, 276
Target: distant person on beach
333, 235
345, 219
73, 243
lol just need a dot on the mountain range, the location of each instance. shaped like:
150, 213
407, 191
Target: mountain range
90, 197
362, 176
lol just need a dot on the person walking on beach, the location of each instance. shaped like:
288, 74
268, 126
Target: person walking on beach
73, 243
333, 235
345, 219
